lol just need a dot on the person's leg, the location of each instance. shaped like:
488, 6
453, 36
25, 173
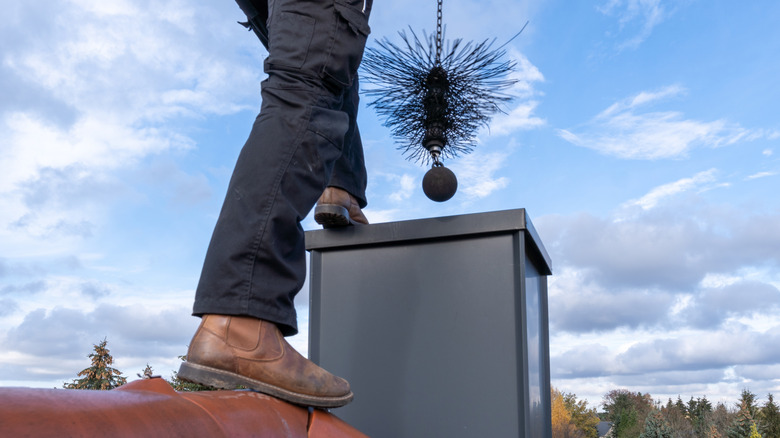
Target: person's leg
255, 263
349, 172
341, 203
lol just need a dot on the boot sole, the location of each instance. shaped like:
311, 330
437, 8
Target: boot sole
332, 216
221, 379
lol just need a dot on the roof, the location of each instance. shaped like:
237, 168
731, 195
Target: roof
603, 428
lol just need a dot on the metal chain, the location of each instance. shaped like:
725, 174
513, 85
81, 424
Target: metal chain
438, 34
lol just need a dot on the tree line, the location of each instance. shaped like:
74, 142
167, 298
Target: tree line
633, 414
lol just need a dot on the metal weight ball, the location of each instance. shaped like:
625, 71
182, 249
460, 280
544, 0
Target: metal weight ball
439, 184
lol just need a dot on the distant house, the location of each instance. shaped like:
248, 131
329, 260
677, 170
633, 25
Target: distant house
604, 428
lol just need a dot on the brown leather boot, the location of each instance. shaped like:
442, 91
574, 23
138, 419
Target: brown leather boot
337, 208
231, 351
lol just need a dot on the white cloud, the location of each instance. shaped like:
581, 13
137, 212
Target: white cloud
711, 307
526, 74
622, 131
672, 249
646, 97
716, 280
61, 335
647, 14
56, 179
95, 141
521, 116
652, 135
675, 261
642, 98
760, 175
46, 338
151, 56
656, 195
407, 184
702, 351
124, 68
583, 305
476, 174
96, 89
384, 215
696, 352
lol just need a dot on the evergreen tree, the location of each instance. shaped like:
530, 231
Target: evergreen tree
770, 418
627, 412
147, 373
754, 431
681, 406
699, 414
100, 375
748, 399
656, 427
743, 424
622, 414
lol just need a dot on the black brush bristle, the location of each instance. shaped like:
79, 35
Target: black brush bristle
399, 76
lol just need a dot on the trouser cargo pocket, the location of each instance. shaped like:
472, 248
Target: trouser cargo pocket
348, 42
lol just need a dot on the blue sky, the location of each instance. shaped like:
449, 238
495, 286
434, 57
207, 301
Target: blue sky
643, 142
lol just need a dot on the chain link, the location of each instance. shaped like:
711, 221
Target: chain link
438, 33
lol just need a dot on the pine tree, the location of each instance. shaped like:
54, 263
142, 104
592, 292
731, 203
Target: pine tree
100, 376
656, 427
770, 418
699, 413
681, 406
743, 424
147, 373
748, 399
754, 431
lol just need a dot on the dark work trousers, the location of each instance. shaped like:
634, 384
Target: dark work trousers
304, 139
